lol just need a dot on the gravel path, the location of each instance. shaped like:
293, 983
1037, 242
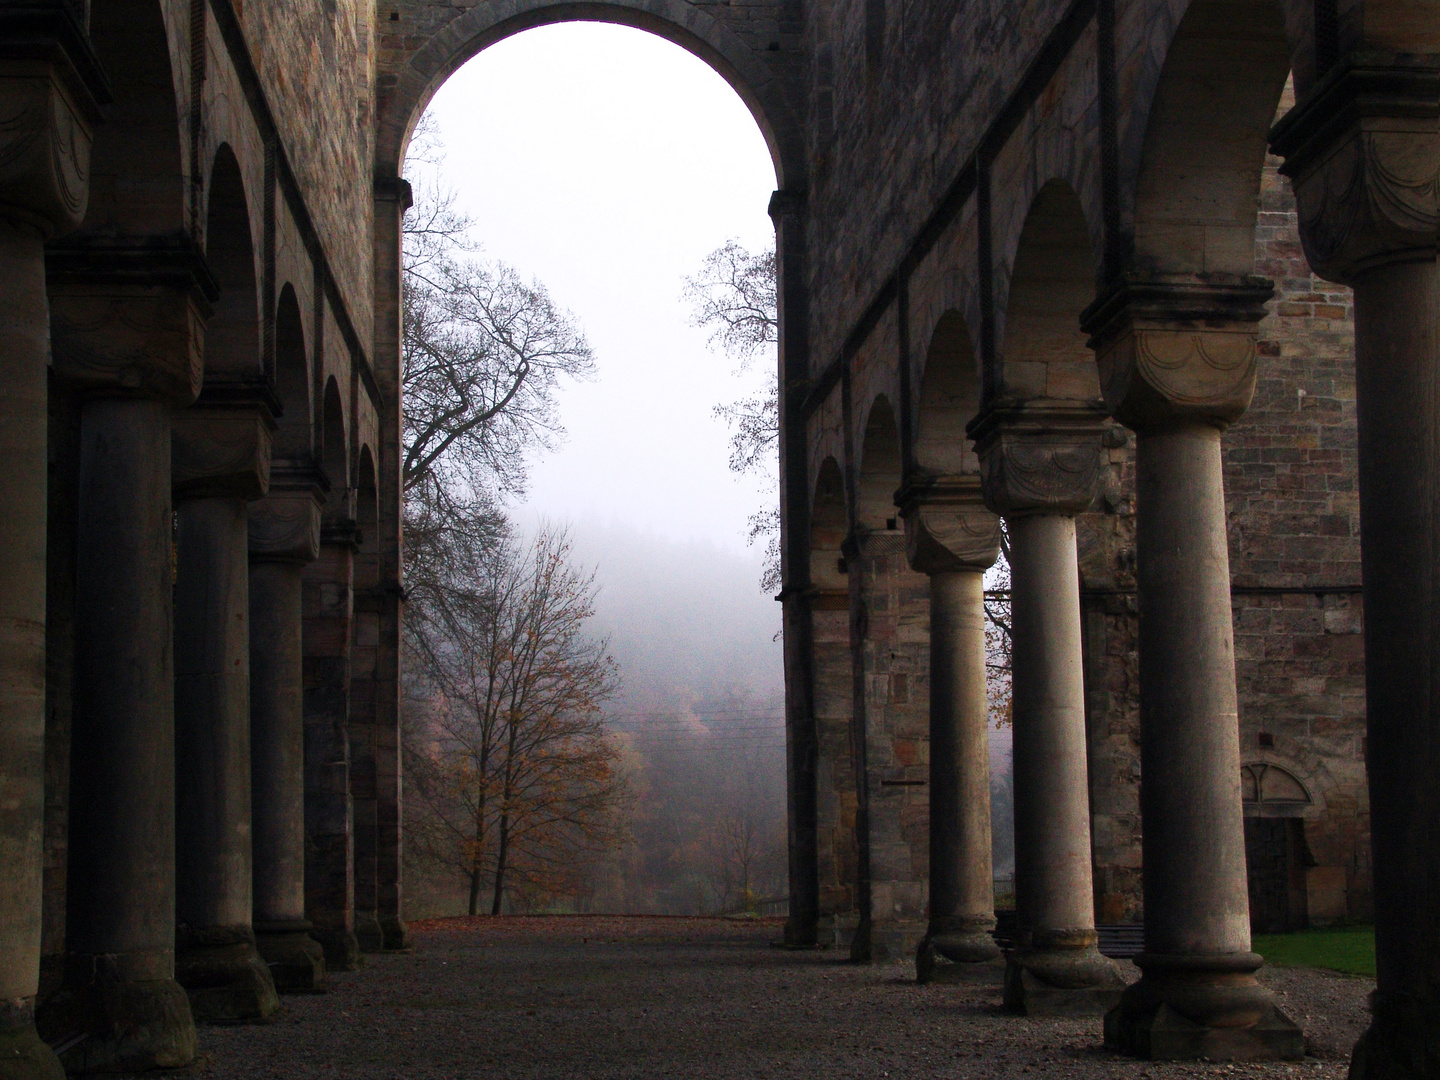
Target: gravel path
602, 998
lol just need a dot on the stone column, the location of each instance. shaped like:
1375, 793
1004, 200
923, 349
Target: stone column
284, 538
364, 640
220, 461
43, 191
1363, 150
951, 537
392, 199
328, 599
127, 318
1177, 364
1040, 466
833, 699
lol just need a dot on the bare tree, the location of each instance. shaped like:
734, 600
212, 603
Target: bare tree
734, 296
483, 356
515, 778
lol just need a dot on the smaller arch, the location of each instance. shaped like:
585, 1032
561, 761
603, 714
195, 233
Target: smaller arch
232, 336
879, 475
1044, 354
294, 437
334, 458
367, 517
949, 400
828, 525
1271, 790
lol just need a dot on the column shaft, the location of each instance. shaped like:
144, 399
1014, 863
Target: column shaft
962, 891
121, 903
365, 634
24, 339
329, 844
1397, 367
217, 961
1057, 968
283, 536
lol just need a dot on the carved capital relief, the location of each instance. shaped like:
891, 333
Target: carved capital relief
947, 526
220, 452
127, 315
1177, 351
1039, 457
1363, 153
285, 526
44, 147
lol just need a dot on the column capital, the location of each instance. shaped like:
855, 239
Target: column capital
220, 446
947, 526
1040, 456
127, 314
285, 524
1177, 350
51, 90
1363, 152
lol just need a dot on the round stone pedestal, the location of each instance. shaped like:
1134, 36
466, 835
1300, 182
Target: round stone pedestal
1062, 974
1188, 1007
296, 960
224, 975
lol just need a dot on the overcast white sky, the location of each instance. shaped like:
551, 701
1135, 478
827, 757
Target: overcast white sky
607, 163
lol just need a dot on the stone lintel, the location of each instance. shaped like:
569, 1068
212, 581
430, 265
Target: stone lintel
1039, 456
1178, 350
947, 526
1363, 152
127, 314
828, 599
285, 525
221, 450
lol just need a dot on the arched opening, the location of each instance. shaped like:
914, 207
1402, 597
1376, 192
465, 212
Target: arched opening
678, 21
879, 474
949, 399
1044, 355
1197, 192
295, 434
137, 182
828, 523
334, 457
232, 336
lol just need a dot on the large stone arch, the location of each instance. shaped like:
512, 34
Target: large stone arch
406, 90
949, 399
232, 339
878, 471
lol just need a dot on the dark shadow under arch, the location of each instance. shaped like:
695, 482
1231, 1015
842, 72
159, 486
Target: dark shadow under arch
334, 458
879, 474
828, 525
232, 336
677, 21
949, 400
293, 439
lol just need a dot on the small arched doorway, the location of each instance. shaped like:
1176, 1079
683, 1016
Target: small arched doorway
1276, 854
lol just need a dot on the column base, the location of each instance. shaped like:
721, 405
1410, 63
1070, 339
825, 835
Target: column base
295, 959
879, 943
394, 932
23, 1054
368, 933
836, 931
1403, 1039
342, 950
960, 953
227, 981
1187, 1007
119, 1013
800, 933
1062, 981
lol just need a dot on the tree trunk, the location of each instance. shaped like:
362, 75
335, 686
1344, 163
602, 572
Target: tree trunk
500, 863
474, 890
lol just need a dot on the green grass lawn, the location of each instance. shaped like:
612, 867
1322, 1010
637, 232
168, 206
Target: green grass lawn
1350, 949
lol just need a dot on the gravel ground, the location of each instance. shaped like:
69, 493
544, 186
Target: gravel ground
601, 998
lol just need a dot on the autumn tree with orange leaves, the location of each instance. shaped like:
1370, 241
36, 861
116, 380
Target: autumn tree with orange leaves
514, 782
